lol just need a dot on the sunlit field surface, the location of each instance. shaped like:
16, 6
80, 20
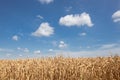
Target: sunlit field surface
61, 68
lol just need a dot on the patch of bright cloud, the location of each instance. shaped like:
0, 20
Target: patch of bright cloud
50, 50
116, 16
62, 44
15, 37
76, 20
45, 1
83, 34
37, 52
44, 30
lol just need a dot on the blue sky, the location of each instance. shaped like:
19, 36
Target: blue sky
35, 28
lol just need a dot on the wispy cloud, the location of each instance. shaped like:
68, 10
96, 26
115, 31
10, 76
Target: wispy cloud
89, 53
76, 20
37, 52
108, 46
40, 17
45, 1
44, 30
6, 50
25, 50
68, 8
83, 34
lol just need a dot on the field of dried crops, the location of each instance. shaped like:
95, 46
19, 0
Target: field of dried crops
60, 68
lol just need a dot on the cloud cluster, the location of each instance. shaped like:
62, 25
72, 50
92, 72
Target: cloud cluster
62, 44
44, 30
76, 20
45, 1
116, 16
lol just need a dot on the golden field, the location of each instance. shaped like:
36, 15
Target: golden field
61, 68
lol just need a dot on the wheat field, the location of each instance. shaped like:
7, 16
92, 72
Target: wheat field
61, 68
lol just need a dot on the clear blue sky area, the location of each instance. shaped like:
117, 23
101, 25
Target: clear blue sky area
32, 28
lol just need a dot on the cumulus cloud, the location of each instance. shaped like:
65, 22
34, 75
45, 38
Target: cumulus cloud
37, 52
83, 34
116, 16
44, 30
45, 1
76, 20
15, 37
62, 44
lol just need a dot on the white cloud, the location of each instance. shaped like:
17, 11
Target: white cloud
116, 16
50, 50
62, 44
15, 37
108, 46
39, 16
44, 30
37, 52
18, 48
76, 20
45, 1
83, 34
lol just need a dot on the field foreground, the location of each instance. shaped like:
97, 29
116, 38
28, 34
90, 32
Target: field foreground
60, 68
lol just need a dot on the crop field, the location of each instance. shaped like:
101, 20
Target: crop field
61, 68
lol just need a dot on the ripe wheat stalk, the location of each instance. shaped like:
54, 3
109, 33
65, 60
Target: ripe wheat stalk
60, 68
